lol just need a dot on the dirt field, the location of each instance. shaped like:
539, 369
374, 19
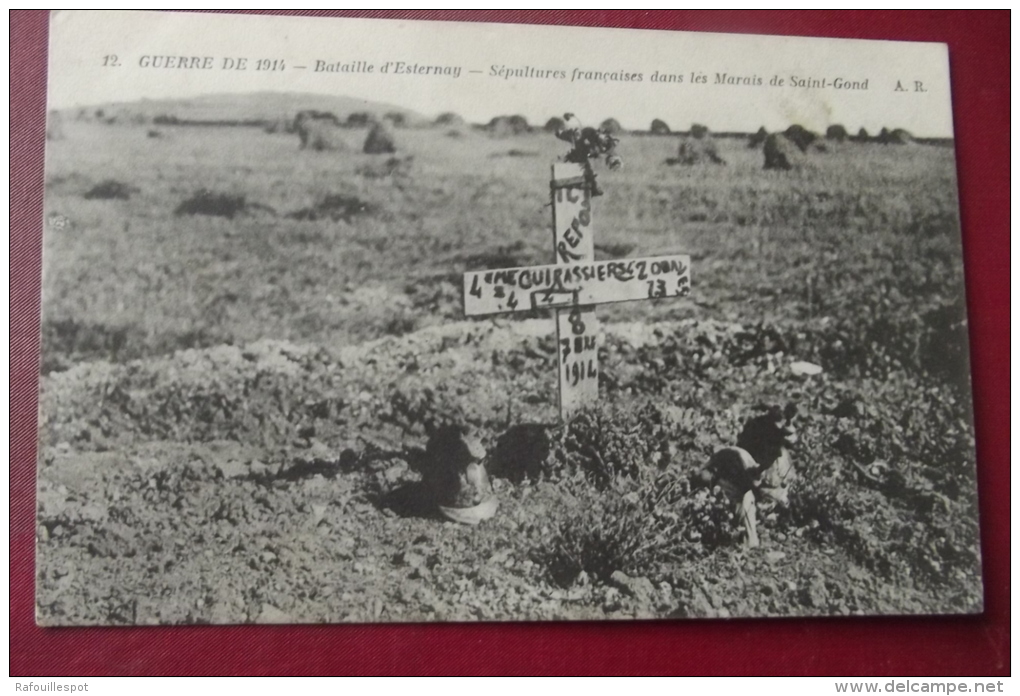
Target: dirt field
231, 401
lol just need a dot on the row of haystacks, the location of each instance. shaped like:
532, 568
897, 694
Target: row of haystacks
357, 119
516, 124
504, 126
834, 133
508, 126
512, 125
323, 132
784, 151
231, 204
789, 149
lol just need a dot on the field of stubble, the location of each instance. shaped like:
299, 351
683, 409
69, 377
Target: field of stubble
229, 402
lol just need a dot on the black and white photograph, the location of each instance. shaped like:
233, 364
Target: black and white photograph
369, 321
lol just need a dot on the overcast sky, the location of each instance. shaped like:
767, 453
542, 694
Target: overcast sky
80, 43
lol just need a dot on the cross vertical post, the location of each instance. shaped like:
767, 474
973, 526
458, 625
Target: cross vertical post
577, 328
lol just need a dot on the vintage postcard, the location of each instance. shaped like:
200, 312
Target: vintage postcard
351, 320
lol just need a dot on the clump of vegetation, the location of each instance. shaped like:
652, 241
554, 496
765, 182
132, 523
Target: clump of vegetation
67, 339
392, 166
512, 255
335, 207
111, 189
514, 152
599, 533
614, 250
602, 447
633, 526
212, 203
606, 446
403, 323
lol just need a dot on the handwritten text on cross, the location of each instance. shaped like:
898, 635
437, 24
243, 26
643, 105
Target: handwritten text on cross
573, 285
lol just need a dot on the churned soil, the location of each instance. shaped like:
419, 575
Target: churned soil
264, 484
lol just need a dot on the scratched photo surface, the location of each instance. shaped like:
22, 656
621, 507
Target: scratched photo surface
368, 321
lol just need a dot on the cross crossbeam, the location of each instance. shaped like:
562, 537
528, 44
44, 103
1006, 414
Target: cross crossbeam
573, 285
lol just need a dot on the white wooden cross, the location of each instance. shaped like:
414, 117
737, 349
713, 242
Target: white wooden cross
573, 285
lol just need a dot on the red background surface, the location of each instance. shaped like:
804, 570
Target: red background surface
979, 44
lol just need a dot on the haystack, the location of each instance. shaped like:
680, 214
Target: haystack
899, 136
659, 127
836, 133
359, 119
800, 136
449, 118
396, 118
698, 131
781, 153
508, 126
554, 125
315, 115
279, 125
379, 140
698, 150
757, 139
320, 134
611, 126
